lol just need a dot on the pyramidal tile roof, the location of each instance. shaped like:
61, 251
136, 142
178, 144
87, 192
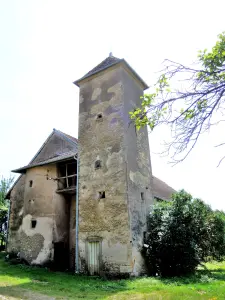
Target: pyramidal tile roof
107, 63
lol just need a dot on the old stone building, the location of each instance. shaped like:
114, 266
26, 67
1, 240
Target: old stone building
85, 206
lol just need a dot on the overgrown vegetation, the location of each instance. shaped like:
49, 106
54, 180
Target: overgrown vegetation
181, 235
24, 282
191, 108
5, 184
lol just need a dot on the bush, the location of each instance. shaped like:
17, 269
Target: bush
182, 234
4, 205
3, 226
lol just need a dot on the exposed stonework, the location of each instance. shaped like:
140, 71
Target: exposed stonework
16, 215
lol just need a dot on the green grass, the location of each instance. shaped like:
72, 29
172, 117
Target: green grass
23, 282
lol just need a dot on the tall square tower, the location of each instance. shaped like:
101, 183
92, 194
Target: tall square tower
115, 177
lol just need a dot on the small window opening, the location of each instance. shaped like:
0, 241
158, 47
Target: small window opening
142, 196
102, 195
33, 223
98, 164
30, 183
99, 116
144, 236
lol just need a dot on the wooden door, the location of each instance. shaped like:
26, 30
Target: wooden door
94, 257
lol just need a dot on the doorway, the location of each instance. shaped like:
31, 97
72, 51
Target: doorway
94, 254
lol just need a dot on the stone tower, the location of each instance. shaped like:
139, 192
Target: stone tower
115, 178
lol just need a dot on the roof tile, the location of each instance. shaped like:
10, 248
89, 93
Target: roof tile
106, 63
162, 190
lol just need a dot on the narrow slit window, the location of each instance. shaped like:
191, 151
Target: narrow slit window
144, 236
142, 196
33, 223
98, 164
102, 195
99, 116
30, 183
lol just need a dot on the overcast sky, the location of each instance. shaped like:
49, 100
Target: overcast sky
46, 45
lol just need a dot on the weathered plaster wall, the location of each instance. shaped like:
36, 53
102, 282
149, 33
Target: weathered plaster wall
61, 211
139, 172
61, 230
16, 215
103, 139
36, 243
40, 203
120, 218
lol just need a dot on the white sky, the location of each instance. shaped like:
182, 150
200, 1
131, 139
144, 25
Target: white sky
46, 45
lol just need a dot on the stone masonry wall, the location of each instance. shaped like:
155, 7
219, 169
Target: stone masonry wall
16, 215
139, 172
101, 137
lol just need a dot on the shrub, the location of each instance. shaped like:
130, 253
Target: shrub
4, 205
182, 234
3, 226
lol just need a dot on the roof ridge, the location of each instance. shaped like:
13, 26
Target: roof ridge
70, 138
67, 136
45, 142
106, 63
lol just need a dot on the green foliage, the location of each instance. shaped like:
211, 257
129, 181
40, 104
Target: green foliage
5, 184
139, 115
213, 62
202, 94
181, 235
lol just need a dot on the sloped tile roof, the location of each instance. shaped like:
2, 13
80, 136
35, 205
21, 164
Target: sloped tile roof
161, 190
75, 140
107, 63
58, 158
55, 156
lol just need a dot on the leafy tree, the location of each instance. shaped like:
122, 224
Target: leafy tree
192, 109
5, 184
181, 235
